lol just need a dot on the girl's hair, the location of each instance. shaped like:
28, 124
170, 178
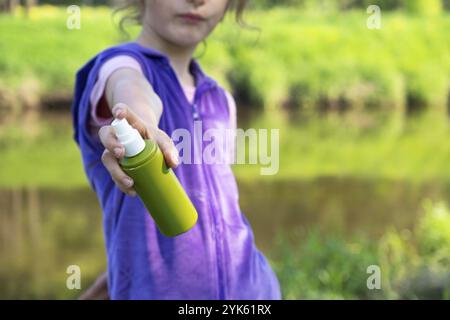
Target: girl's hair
134, 9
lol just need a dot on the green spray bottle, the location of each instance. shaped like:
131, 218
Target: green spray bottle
155, 183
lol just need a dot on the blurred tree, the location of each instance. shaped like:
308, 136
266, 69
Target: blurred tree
78, 2
28, 5
415, 6
424, 7
446, 4
10, 5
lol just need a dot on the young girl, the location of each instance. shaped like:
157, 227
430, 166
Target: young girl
156, 84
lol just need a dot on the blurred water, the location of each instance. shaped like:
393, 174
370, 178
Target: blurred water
43, 231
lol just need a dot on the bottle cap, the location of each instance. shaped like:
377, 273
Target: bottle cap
129, 137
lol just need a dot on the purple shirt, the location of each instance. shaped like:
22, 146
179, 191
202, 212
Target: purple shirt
217, 258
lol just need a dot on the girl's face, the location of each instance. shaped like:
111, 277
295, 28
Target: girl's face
183, 23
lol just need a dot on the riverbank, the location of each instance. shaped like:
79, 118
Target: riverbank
294, 61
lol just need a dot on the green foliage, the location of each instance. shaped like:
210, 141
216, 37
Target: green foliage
424, 7
416, 6
307, 61
329, 62
42, 47
323, 267
433, 233
310, 61
315, 266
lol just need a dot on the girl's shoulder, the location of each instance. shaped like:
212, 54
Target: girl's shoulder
148, 61
130, 53
129, 49
126, 49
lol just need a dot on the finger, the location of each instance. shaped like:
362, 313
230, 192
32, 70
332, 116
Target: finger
122, 111
109, 140
124, 182
167, 148
166, 144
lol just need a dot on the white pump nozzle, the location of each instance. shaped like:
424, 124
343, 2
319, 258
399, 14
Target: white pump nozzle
129, 137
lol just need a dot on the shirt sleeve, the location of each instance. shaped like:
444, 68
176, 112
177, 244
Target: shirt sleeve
121, 61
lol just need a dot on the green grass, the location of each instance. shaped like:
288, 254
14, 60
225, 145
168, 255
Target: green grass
413, 264
306, 59
41, 49
329, 58
373, 73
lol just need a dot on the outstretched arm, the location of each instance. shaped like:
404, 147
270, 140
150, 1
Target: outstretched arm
98, 291
129, 95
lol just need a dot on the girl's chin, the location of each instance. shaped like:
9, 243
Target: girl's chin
187, 41
187, 36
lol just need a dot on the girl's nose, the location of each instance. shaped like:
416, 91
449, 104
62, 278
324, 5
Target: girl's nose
197, 3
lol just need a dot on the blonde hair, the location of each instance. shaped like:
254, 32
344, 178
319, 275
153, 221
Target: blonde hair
134, 9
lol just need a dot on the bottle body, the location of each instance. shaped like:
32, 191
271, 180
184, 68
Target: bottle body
160, 191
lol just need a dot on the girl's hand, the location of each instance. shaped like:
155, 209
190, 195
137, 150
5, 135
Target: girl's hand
115, 151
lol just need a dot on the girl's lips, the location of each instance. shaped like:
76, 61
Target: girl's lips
191, 17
